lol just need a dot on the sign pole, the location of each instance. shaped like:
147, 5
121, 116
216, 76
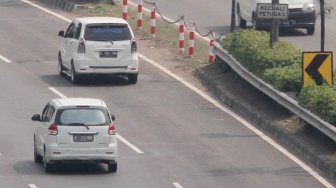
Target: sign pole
322, 24
233, 16
274, 33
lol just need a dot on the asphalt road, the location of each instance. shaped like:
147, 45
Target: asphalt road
186, 141
216, 15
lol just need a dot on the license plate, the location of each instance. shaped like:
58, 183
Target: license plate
285, 22
288, 22
83, 138
113, 54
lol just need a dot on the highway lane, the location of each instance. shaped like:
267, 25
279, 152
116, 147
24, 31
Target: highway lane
216, 15
185, 138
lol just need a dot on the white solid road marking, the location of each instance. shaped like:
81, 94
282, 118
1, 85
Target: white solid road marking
57, 92
32, 186
129, 144
122, 139
47, 11
220, 106
5, 59
177, 185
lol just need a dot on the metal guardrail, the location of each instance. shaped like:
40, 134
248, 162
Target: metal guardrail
280, 97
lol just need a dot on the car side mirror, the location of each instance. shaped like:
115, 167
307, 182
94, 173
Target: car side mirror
36, 117
61, 33
113, 117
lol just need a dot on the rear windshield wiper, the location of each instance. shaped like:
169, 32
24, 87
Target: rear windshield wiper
79, 124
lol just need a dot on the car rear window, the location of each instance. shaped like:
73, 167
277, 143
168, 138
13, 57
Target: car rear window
87, 116
107, 32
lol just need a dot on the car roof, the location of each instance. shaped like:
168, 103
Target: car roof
63, 102
96, 20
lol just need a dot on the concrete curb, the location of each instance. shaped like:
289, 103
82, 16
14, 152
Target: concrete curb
262, 122
61, 4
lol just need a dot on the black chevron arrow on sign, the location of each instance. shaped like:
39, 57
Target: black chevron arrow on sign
312, 68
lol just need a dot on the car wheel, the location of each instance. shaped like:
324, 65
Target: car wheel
73, 75
37, 157
132, 78
112, 167
241, 21
60, 66
46, 165
310, 30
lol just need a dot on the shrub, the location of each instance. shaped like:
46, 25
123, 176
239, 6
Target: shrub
282, 68
288, 78
251, 49
321, 100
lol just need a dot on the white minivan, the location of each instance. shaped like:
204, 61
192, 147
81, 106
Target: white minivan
98, 46
75, 129
301, 14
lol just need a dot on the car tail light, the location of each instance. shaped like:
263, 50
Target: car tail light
112, 129
81, 46
134, 47
53, 130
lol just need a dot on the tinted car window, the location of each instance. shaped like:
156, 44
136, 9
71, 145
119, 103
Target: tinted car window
47, 113
111, 32
70, 31
88, 116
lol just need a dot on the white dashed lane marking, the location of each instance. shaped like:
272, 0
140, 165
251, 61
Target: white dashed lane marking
177, 185
5, 59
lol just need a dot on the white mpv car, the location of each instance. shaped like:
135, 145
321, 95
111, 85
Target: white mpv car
75, 129
100, 46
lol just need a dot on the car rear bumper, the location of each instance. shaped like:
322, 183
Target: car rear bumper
88, 66
55, 153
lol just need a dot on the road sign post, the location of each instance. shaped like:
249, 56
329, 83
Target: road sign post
322, 24
275, 12
275, 27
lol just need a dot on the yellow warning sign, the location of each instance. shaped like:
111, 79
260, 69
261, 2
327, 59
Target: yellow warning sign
317, 67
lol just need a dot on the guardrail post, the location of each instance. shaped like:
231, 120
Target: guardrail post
125, 11
181, 37
192, 41
211, 54
139, 23
153, 23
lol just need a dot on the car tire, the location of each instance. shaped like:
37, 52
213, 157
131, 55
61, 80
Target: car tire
310, 30
73, 75
241, 21
132, 78
60, 65
112, 167
37, 157
48, 167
